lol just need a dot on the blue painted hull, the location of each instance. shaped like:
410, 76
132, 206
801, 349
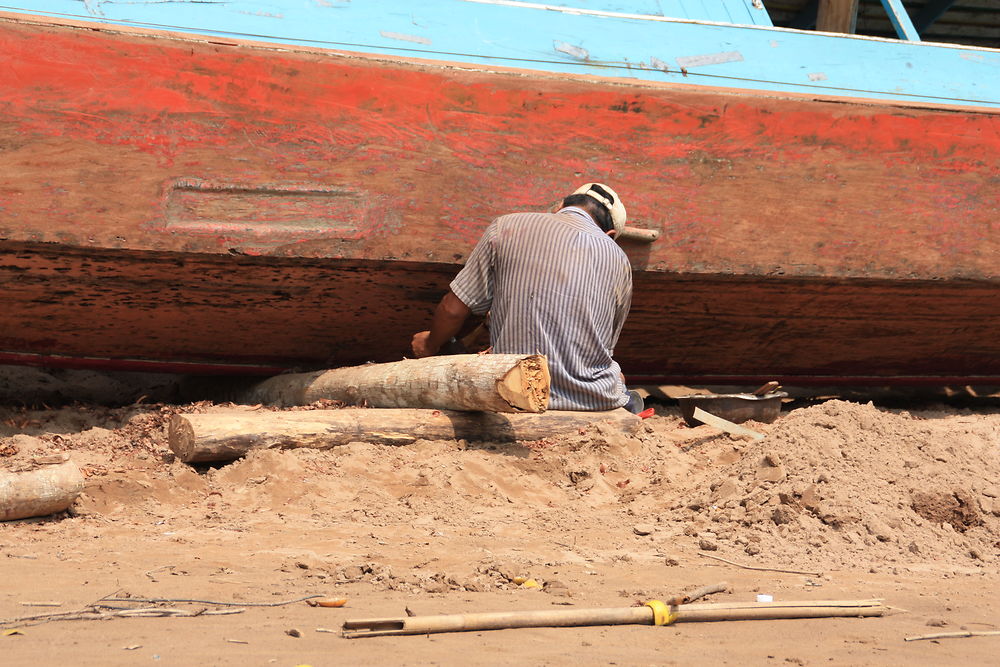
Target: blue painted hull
603, 38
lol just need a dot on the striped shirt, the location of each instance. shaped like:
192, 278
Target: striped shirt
554, 284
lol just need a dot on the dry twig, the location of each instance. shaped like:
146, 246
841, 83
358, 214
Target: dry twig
698, 593
762, 569
221, 604
101, 610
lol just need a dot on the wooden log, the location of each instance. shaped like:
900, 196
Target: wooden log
44, 490
418, 625
226, 435
493, 382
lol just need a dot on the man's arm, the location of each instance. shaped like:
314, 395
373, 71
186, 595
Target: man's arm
449, 316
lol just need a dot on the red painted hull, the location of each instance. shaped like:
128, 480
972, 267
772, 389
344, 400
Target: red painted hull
172, 201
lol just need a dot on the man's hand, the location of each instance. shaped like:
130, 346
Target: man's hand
421, 345
449, 316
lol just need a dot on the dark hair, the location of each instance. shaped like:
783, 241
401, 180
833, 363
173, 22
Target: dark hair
598, 211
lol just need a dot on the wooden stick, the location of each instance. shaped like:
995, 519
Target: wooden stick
39, 492
492, 382
638, 234
230, 434
725, 424
761, 569
766, 388
950, 635
418, 625
698, 593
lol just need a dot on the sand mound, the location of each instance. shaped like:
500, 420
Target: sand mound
838, 484
847, 484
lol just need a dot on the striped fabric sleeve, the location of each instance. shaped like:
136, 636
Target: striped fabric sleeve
474, 283
623, 292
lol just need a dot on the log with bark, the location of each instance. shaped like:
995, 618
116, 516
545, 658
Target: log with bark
51, 486
492, 382
226, 435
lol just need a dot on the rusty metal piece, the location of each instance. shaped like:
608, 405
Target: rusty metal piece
735, 408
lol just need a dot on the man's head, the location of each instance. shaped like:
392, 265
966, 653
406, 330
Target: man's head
603, 205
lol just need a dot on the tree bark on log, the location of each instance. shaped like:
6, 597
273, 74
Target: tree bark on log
223, 436
45, 490
492, 382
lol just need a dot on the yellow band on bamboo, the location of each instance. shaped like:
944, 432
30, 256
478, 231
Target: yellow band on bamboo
661, 613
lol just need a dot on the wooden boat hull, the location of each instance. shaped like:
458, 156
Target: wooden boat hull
172, 203
204, 313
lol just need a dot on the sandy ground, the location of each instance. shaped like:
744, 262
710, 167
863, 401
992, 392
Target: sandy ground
865, 501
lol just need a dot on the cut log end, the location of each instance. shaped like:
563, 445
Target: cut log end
45, 490
476, 382
526, 386
180, 435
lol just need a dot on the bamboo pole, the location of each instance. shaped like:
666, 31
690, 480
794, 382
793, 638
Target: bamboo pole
955, 635
490, 382
418, 625
747, 611
230, 434
45, 490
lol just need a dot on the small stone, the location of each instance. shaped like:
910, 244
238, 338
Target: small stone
989, 505
752, 549
707, 545
879, 530
913, 548
937, 622
771, 473
783, 515
557, 588
810, 498
724, 491
643, 529
671, 561
293, 632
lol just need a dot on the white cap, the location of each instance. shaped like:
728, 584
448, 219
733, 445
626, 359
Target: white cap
609, 198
